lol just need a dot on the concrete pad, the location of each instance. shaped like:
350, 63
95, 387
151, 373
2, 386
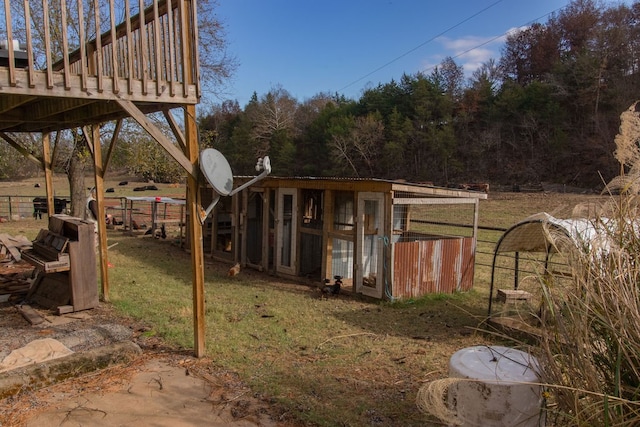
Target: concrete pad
159, 395
39, 375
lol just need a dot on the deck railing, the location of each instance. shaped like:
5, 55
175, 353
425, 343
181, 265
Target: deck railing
103, 46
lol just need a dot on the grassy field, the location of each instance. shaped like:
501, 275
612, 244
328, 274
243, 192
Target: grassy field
36, 186
348, 360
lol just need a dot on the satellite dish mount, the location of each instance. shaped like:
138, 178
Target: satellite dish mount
217, 171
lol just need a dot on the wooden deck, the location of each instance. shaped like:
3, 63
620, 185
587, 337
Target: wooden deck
56, 77
68, 64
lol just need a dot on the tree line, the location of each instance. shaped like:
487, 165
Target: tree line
547, 110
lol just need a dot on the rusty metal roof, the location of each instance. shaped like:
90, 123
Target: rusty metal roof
364, 184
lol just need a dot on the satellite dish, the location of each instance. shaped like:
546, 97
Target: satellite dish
216, 169
218, 173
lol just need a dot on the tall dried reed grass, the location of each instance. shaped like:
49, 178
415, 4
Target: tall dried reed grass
589, 350
590, 346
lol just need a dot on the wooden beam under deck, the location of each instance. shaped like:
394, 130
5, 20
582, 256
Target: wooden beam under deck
188, 165
26, 153
50, 114
9, 103
46, 109
26, 109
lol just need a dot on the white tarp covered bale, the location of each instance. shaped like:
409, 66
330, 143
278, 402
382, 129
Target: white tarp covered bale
539, 232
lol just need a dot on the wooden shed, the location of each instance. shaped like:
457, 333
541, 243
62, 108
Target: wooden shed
385, 239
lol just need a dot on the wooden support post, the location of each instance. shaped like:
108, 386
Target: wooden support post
239, 226
102, 226
175, 128
48, 174
195, 233
388, 250
266, 209
327, 241
191, 150
112, 145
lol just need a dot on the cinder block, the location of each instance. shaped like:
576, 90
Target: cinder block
510, 295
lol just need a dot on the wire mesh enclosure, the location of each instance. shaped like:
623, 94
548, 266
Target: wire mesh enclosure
412, 222
433, 245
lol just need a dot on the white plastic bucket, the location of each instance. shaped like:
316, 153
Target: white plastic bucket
500, 392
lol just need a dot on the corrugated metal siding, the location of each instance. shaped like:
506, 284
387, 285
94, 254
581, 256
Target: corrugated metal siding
432, 266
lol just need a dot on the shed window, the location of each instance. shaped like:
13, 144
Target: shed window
343, 211
312, 205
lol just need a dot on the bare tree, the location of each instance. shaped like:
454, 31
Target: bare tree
450, 76
357, 143
274, 114
341, 149
488, 75
367, 138
216, 63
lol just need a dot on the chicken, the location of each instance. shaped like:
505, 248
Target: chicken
235, 270
162, 232
332, 289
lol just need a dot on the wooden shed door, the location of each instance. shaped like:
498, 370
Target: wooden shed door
369, 252
286, 231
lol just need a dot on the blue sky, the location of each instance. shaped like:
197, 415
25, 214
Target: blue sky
345, 46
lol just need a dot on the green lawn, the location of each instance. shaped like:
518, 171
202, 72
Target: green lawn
339, 361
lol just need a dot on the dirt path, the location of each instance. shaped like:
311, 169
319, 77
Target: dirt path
156, 392
160, 387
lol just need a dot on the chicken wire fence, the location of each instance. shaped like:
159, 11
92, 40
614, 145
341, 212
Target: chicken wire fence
416, 219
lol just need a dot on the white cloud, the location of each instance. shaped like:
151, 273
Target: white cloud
471, 51
464, 44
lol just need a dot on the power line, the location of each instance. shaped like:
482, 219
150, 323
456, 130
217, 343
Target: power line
444, 32
422, 44
496, 38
